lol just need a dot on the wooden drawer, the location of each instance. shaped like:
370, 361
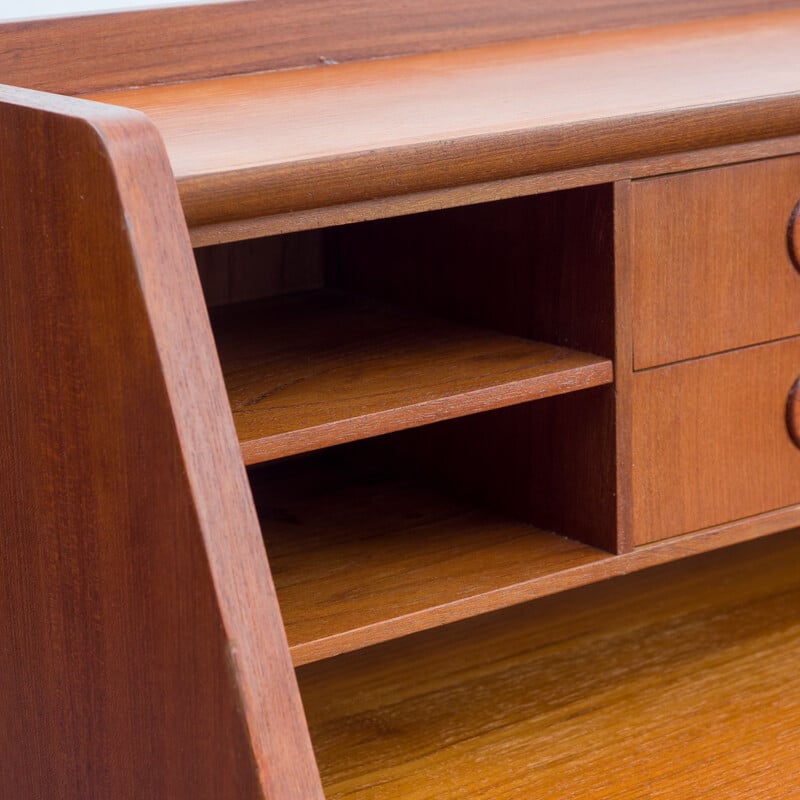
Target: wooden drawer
712, 267
711, 442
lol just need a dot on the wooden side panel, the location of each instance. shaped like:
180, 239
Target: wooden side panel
143, 653
710, 440
168, 45
712, 259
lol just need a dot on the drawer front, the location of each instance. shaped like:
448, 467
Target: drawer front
712, 441
712, 264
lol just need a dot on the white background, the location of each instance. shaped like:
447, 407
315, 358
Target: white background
33, 9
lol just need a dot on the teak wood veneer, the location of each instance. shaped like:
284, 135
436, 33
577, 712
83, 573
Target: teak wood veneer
131, 628
675, 682
461, 456
254, 146
375, 369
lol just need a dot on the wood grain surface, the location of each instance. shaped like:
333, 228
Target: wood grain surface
549, 463
623, 367
710, 442
143, 653
258, 268
81, 54
146, 655
490, 191
678, 682
250, 146
540, 267
367, 545
360, 554
312, 370
711, 266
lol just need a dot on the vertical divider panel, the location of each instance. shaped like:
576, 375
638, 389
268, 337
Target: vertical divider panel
623, 363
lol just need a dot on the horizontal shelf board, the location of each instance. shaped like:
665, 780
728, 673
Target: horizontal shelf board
251, 146
360, 557
679, 682
317, 369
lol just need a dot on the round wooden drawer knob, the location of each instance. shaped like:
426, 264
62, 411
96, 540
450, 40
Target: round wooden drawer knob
793, 412
793, 237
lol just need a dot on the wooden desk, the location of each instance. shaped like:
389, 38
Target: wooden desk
420, 425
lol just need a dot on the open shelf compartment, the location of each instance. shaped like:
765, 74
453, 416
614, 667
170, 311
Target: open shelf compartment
426, 409
341, 334
362, 551
320, 368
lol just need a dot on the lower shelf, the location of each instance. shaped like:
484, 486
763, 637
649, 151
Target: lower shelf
360, 556
680, 681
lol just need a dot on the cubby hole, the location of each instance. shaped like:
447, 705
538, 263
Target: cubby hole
426, 408
383, 537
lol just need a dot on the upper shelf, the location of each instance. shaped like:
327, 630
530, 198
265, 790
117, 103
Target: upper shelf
322, 368
252, 146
